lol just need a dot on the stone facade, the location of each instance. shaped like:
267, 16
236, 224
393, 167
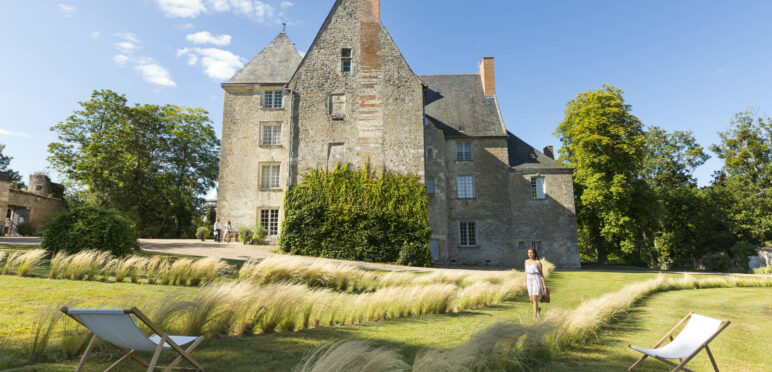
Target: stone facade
354, 99
34, 205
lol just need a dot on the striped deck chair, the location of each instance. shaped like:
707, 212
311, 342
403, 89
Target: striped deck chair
698, 333
118, 328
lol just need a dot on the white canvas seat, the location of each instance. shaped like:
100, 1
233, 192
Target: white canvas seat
118, 328
697, 334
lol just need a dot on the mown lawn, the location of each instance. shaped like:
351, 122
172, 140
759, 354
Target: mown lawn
20, 299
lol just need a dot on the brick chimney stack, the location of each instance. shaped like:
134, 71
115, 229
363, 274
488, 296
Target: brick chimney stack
549, 152
488, 76
372, 8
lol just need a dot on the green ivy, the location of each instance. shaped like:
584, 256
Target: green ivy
356, 215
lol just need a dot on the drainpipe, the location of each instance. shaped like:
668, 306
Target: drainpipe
289, 139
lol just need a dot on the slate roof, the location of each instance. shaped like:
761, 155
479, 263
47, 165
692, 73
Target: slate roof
456, 104
274, 64
524, 156
3, 177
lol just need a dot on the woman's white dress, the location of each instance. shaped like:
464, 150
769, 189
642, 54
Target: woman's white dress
533, 280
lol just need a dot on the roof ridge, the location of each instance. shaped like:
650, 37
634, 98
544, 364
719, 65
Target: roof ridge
477, 74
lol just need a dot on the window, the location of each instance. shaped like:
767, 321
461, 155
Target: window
271, 135
272, 99
468, 234
536, 244
269, 220
521, 244
430, 187
464, 150
345, 61
537, 187
269, 176
429, 153
465, 186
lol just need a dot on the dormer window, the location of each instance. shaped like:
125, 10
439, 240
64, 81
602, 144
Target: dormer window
345, 61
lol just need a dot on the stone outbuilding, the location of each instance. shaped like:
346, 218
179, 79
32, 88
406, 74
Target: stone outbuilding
37, 205
353, 98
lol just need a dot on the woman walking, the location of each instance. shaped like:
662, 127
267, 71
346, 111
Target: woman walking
534, 280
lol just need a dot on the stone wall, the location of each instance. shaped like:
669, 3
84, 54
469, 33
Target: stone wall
372, 113
240, 196
42, 208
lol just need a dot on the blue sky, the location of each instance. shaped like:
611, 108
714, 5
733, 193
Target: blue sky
684, 65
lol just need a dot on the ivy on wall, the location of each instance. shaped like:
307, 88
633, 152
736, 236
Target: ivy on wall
358, 215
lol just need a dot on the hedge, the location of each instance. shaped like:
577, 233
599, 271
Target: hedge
356, 215
87, 227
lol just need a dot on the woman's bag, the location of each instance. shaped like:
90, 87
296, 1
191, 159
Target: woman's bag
546, 297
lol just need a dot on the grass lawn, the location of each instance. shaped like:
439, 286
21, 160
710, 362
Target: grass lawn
23, 297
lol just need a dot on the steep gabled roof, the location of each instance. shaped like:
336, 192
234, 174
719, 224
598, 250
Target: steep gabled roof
524, 156
457, 105
274, 64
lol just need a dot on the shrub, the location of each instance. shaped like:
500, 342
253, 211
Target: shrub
740, 252
245, 234
355, 215
259, 234
25, 229
87, 227
716, 261
202, 233
414, 254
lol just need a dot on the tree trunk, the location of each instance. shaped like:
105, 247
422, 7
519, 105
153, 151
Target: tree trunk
600, 250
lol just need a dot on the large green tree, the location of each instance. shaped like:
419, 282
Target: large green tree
605, 145
671, 159
746, 148
5, 170
152, 162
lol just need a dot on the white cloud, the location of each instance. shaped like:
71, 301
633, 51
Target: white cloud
129, 42
96, 34
181, 8
204, 37
121, 60
256, 10
286, 4
66, 9
218, 64
8, 133
128, 36
186, 26
154, 73
127, 47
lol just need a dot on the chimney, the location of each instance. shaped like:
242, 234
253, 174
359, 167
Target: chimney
372, 8
488, 76
548, 151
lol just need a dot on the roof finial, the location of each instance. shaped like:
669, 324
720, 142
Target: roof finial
283, 28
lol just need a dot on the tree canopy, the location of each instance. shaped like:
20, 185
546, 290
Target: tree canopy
153, 163
5, 161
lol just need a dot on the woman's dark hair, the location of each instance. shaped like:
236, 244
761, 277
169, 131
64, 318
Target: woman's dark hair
535, 254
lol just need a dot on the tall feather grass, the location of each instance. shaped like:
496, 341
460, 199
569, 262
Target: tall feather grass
352, 356
510, 346
43, 327
22, 263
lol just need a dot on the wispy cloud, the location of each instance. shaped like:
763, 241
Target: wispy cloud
218, 64
8, 133
96, 34
181, 8
256, 10
286, 4
204, 37
121, 59
154, 73
149, 69
66, 9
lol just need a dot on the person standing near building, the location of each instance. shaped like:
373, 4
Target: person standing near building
217, 230
7, 227
228, 230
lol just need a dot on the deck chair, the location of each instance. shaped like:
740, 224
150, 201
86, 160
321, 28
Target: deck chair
118, 328
698, 333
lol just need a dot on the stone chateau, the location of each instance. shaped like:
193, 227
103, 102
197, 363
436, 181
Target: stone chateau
353, 97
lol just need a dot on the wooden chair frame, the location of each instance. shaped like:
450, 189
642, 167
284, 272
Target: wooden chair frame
132, 354
683, 362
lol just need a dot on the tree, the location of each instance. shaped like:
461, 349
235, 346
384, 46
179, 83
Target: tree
746, 148
605, 145
12, 175
671, 159
153, 163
